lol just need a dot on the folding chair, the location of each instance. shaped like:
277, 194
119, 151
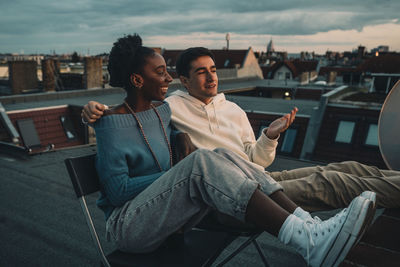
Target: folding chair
198, 247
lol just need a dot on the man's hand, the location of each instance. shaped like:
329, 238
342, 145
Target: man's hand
93, 111
183, 146
280, 125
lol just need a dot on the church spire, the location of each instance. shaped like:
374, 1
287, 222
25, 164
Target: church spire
270, 46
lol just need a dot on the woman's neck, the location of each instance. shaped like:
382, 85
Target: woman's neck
138, 104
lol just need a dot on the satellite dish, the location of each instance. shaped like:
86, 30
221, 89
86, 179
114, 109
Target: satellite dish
389, 129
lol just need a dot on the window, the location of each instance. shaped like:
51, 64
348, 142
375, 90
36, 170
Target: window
68, 128
28, 133
287, 75
289, 140
280, 75
226, 64
372, 136
345, 132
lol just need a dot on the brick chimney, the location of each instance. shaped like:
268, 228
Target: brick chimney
22, 76
93, 74
50, 71
331, 78
304, 78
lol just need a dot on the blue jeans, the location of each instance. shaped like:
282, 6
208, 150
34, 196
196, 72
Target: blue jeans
204, 181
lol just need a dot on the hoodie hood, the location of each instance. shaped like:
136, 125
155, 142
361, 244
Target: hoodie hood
209, 109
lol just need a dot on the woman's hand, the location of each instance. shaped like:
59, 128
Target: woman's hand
93, 111
280, 125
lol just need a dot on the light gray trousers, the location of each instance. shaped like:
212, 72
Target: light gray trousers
204, 181
337, 184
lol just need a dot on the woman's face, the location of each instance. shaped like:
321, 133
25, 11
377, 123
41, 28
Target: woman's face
155, 78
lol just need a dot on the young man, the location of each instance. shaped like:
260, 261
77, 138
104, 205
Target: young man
212, 121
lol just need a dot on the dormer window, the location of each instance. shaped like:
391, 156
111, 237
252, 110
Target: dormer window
372, 136
345, 132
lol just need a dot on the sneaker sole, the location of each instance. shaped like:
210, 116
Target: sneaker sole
366, 225
370, 195
357, 221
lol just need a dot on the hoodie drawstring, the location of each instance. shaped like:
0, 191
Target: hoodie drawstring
215, 114
209, 121
208, 117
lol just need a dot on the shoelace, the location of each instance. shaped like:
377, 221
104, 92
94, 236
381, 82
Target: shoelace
309, 226
319, 228
306, 228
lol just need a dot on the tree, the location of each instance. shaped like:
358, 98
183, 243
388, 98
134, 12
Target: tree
75, 57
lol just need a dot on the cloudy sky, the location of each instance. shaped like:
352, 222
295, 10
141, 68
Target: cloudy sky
91, 26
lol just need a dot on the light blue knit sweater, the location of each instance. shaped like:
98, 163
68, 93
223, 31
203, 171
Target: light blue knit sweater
124, 162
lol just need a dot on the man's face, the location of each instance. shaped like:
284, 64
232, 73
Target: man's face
202, 82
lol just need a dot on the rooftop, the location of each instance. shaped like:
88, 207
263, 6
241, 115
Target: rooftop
273, 105
41, 223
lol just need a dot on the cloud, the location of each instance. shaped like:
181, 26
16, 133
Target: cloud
80, 23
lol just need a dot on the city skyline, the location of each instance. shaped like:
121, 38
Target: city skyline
90, 27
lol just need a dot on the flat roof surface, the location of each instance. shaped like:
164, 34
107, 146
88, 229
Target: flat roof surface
273, 105
41, 222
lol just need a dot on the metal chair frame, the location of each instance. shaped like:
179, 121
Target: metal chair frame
85, 181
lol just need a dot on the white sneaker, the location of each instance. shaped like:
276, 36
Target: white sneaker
369, 195
304, 215
326, 243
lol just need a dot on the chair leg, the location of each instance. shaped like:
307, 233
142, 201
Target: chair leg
239, 249
260, 252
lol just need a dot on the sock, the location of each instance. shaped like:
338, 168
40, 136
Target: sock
302, 214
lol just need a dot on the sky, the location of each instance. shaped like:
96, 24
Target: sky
91, 26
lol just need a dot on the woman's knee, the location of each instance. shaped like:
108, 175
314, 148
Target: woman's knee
221, 150
201, 151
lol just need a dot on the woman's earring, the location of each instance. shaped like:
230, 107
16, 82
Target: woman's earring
139, 85
136, 82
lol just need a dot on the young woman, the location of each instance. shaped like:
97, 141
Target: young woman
146, 199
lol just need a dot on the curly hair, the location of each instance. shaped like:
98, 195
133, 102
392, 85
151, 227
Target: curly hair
127, 56
187, 56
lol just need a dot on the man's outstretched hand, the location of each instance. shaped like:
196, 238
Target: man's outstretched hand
281, 124
93, 111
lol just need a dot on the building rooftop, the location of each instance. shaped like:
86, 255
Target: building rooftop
273, 105
41, 222
112, 96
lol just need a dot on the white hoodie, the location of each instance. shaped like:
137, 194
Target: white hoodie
220, 123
